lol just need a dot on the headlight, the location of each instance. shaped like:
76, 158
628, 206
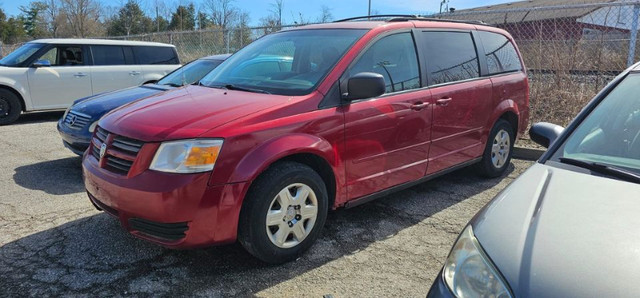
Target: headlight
92, 127
468, 272
188, 156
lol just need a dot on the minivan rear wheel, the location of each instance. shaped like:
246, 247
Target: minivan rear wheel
283, 212
497, 153
10, 107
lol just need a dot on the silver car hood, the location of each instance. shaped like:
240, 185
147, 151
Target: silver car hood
560, 233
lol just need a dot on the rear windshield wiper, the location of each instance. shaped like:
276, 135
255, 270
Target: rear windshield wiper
254, 90
614, 171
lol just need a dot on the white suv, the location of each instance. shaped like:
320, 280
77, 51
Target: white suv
49, 74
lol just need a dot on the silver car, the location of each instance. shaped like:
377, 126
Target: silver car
567, 226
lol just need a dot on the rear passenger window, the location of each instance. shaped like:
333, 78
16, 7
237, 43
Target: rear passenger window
395, 58
155, 55
500, 52
451, 56
107, 55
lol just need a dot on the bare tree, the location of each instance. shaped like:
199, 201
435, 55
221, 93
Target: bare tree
223, 13
82, 15
276, 9
53, 17
325, 14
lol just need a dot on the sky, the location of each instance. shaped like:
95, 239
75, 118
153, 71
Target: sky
310, 9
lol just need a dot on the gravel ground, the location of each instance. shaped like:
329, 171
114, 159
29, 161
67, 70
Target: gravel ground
53, 242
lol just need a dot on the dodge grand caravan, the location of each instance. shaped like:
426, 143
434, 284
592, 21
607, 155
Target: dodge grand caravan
49, 74
365, 108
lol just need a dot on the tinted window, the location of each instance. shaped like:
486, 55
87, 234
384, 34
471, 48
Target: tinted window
394, 57
107, 55
451, 56
500, 52
155, 55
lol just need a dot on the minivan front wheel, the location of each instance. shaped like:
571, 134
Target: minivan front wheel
497, 154
283, 213
10, 107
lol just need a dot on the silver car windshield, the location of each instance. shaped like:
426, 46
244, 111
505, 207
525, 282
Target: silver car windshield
610, 134
21, 54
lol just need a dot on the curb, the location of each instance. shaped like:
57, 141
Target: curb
527, 153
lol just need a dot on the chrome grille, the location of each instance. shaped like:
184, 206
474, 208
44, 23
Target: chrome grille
126, 144
77, 120
121, 153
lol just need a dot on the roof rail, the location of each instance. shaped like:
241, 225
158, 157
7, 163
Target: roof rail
408, 17
378, 16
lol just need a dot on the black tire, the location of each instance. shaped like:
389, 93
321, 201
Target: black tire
10, 107
486, 166
252, 227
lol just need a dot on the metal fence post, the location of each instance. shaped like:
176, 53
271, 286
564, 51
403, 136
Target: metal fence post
634, 36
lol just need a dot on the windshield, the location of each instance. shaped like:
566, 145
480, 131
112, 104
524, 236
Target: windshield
20, 54
284, 63
189, 73
610, 134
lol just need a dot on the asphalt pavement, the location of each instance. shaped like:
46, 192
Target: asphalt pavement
53, 242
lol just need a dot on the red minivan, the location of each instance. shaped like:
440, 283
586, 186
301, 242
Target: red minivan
259, 151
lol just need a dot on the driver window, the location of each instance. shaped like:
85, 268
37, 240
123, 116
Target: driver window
395, 58
64, 56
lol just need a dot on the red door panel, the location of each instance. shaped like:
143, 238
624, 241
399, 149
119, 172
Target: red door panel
387, 141
460, 114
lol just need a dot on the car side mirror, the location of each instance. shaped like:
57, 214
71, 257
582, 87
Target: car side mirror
41, 63
545, 133
364, 85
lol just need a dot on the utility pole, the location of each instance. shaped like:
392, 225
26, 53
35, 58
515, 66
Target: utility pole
369, 11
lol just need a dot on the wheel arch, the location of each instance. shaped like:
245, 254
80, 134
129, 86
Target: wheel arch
16, 93
507, 110
309, 150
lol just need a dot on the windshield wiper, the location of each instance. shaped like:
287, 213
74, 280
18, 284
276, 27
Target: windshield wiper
234, 87
614, 171
173, 85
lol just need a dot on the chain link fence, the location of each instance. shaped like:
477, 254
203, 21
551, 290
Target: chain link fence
195, 44
571, 50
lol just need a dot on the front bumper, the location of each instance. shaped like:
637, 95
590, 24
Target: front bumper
173, 210
75, 140
439, 288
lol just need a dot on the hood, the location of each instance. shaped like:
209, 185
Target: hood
100, 104
560, 233
185, 112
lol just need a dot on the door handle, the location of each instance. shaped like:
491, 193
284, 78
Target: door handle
134, 73
443, 101
80, 75
419, 106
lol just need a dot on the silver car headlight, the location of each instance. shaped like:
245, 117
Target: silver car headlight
93, 126
468, 272
187, 156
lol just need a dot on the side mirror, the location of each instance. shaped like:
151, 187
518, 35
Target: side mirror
364, 85
41, 63
545, 133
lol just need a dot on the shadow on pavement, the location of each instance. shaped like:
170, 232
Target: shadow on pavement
96, 257
38, 117
55, 177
